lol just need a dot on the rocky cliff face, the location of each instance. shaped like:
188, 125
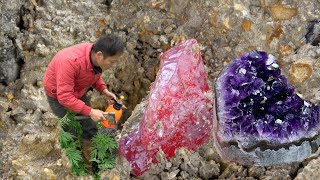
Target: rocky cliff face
32, 31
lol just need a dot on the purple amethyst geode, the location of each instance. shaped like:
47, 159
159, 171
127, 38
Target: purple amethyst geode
259, 117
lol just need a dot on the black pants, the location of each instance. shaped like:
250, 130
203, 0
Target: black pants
88, 125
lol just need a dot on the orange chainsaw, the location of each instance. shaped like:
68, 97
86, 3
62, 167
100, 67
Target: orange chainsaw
112, 115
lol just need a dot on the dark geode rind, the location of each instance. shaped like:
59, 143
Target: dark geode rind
258, 111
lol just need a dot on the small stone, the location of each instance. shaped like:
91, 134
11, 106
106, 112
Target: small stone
18, 111
300, 71
9, 96
192, 170
311, 171
184, 175
233, 170
150, 176
39, 83
209, 169
49, 119
114, 177
285, 50
256, 172
246, 25
211, 154
14, 162
177, 39
19, 163
274, 172
169, 175
313, 34
214, 19
59, 162
158, 4
168, 29
168, 165
226, 23
280, 12
4, 106
49, 173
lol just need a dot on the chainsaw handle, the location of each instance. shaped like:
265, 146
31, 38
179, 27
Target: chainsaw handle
121, 98
111, 117
106, 114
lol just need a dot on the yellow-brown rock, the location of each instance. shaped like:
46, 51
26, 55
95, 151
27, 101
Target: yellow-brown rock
246, 25
226, 23
285, 50
280, 12
49, 174
274, 31
39, 83
9, 96
300, 71
214, 19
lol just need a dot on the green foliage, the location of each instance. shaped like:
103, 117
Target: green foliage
70, 124
80, 170
104, 143
66, 139
78, 166
103, 149
70, 143
74, 155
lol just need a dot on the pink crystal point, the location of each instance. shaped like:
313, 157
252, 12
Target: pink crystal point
178, 113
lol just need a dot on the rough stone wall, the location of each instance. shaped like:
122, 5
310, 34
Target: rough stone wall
32, 31
10, 19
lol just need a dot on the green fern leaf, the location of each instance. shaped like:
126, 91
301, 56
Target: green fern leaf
66, 139
74, 156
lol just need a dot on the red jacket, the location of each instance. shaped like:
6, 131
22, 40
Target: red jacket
69, 75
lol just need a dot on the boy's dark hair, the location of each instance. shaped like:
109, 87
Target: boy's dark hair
109, 45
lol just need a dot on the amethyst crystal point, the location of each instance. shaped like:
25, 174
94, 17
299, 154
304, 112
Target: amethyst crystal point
259, 117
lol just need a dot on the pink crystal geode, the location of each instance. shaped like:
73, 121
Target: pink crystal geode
178, 113
259, 118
